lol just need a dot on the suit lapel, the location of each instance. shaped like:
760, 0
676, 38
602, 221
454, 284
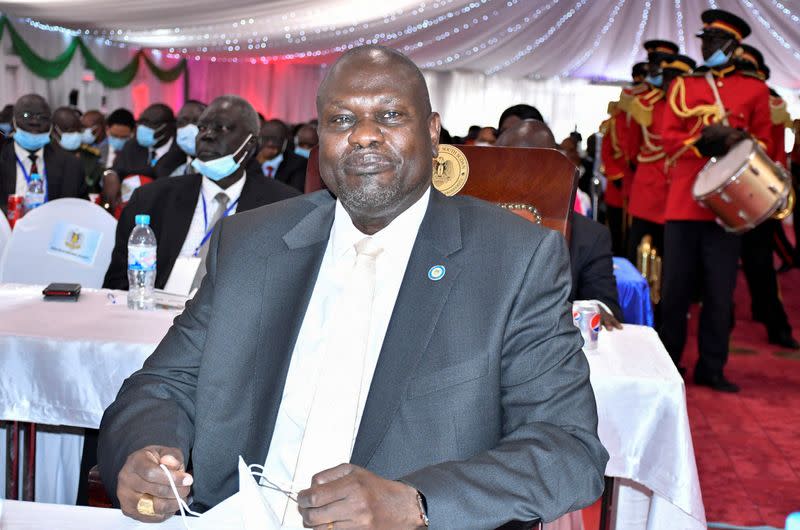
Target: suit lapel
289, 279
252, 193
9, 169
177, 220
52, 168
410, 328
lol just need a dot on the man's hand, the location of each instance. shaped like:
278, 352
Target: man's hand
351, 497
717, 139
141, 474
111, 192
608, 320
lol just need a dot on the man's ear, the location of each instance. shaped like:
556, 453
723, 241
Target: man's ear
435, 129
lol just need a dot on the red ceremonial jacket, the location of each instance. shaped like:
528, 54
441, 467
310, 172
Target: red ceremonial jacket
649, 190
691, 107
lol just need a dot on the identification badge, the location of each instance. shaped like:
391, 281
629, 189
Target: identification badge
182, 275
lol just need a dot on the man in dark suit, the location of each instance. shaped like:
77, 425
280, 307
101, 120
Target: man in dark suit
367, 328
278, 163
590, 242
175, 204
31, 152
153, 152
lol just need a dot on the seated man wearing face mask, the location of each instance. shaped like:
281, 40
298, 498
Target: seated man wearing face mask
305, 139
68, 133
94, 148
31, 152
186, 134
152, 153
119, 129
184, 209
276, 162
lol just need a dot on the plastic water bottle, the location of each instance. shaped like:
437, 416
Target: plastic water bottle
34, 195
141, 264
793, 521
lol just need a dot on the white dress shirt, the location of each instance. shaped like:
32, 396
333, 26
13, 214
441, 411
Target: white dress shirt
22, 155
158, 152
112, 155
197, 230
397, 240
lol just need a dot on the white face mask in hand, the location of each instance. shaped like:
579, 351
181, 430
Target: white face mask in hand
246, 510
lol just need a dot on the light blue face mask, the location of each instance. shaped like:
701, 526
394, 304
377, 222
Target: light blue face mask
6, 128
655, 80
224, 166
116, 143
70, 141
186, 138
718, 58
87, 137
31, 141
146, 136
305, 153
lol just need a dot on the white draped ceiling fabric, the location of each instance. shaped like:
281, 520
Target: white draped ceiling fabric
479, 56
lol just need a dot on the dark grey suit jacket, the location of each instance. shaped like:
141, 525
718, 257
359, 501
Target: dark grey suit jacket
481, 397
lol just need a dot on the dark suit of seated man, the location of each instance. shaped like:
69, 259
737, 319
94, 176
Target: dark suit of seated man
590, 242
152, 152
591, 264
32, 151
175, 204
394, 354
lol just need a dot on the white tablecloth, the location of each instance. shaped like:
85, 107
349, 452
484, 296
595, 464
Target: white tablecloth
62, 363
644, 425
17, 515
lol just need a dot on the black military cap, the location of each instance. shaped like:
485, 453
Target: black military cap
751, 54
684, 63
661, 46
725, 21
639, 70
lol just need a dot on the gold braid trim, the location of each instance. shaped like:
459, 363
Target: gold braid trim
779, 114
677, 102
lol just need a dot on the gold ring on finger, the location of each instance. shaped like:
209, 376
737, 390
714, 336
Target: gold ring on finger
145, 505
330, 526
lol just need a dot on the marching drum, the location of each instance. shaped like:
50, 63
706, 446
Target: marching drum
743, 188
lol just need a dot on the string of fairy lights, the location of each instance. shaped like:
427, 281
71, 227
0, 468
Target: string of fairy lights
299, 35
612, 17
637, 42
777, 36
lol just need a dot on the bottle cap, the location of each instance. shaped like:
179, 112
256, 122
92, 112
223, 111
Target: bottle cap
36, 176
142, 219
793, 521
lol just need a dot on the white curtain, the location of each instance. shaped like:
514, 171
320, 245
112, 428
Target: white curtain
465, 98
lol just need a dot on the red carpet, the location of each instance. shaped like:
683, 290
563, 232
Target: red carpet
748, 444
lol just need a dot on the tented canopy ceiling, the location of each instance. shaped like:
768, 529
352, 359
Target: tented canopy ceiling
596, 39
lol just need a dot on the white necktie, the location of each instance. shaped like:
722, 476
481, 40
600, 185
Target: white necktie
331, 426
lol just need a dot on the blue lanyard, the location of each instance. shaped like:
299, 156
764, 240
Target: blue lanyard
28, 177
205, 222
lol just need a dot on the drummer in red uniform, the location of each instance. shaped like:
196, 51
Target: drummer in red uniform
649, 191
697, 250
758, 244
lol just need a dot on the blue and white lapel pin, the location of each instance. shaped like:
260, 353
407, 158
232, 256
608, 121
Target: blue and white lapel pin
436, 273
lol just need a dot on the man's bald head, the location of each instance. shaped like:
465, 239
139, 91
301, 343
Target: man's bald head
527, 133
67, 119
378, 56
32, 113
